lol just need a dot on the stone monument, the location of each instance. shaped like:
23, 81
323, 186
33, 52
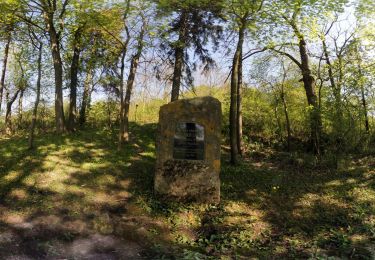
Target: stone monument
188, 150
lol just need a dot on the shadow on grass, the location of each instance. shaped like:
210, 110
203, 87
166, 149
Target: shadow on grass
307, 212
75, 195
78, 196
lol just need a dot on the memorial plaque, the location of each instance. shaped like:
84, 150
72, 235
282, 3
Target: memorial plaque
188, 151
188, 141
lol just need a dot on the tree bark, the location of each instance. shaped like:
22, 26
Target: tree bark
37, 99
365, 112
336, 90
363, 96
74, 82
123, 55
130, 83
20, 107
287, 120
309, 84
239, 108
179, 57
122, 101
85, 98
58, 68
233, 117
8, 113
4, 67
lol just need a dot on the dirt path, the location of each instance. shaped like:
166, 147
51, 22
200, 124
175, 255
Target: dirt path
50, 237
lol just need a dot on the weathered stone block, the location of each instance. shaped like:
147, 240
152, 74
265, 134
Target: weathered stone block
188, 150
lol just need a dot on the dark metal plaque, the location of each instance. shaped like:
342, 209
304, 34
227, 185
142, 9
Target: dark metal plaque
188, 141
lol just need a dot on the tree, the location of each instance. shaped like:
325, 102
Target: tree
8, 22
293, 14
193, 25
19, 84
132, 74
51, 9
74, 68
243, 15
37, 98
5, 63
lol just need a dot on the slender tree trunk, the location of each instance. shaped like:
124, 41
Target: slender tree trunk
287, 120
278, 121
336, 90
179, 57
74, 83
4, 67
85, 98
109, 111
363, 96
58, 68
37, 99
122, 101
130, 83
364, 106
8, 113
239, 107
233, 117
20, 107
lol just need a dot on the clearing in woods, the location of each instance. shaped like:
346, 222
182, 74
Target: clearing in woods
76, 196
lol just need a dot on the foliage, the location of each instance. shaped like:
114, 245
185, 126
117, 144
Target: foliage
274, 205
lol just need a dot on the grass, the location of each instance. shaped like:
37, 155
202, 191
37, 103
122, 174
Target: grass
78, 190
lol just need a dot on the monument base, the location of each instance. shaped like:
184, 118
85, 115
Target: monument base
188, 151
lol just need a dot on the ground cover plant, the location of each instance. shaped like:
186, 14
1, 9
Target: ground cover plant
81, 87
77, 196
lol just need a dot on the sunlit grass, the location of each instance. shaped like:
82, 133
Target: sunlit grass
79, 184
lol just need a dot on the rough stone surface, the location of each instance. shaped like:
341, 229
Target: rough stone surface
186, 179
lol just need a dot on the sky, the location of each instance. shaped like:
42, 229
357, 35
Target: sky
149, 86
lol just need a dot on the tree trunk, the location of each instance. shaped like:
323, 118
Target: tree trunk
4, 67
179, 57
8, 113
278, 121
309, 86
233, 117
122, 101
20, 107
74, 83
363, 96
287, 121
239, 107
58, 68
336, 90
109, 111
85, 98
130, 83
37, 99
365, 112
309, 83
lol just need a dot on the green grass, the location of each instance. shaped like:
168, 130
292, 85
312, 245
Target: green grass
274, 205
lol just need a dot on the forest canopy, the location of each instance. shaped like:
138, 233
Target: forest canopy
297, 73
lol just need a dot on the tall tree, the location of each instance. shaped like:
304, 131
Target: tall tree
74, 68
193, 24
293, 15
243, 15
5, 63
52, 11
37, 98
132, 73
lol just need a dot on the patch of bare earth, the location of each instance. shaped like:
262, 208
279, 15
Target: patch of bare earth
53, 237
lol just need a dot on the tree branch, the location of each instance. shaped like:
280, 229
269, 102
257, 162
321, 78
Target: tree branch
289, 56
